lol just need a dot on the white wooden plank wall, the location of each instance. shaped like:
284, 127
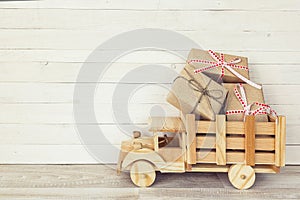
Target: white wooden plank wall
44, 43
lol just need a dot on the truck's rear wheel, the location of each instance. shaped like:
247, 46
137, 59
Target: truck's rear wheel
142, 173
241, 176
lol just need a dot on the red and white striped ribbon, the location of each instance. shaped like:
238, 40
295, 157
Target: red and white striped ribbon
220, 62
262, 109
243, 100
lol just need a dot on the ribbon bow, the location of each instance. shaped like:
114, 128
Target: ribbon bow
214, 94
204, 92
262, 109
220, 62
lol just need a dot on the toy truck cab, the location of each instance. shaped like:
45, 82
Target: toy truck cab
164, 151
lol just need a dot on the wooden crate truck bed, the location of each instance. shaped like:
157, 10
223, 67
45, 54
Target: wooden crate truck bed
230, 142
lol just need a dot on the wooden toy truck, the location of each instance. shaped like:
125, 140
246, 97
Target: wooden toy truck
239, 148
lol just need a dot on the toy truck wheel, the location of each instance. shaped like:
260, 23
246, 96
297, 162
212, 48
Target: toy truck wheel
241, 176
142, 173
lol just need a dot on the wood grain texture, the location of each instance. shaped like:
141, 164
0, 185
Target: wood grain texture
250, 140
142, 173
220, 140
148, 56
280, 140
63, 39
233, 127
241, 176
191, 138
235, 142
101, 181
154, 5
85, 19
225, 168
235, 157
46, 72
283, 140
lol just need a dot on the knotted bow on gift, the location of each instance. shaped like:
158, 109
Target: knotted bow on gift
220, 62
204, 91
262, 109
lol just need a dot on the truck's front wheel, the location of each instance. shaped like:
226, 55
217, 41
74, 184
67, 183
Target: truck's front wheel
142, 173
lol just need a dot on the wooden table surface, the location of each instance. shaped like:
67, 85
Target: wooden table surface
101, 181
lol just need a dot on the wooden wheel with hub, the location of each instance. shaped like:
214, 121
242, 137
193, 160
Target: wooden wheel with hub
241, 176
142, 173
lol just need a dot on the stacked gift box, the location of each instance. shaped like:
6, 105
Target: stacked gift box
213, 83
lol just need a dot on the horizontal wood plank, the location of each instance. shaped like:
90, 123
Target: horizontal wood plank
140, 56
234, 127
46, 72
150, 92
78, 154
216, 168
153, 5
58, 39
85, 19
62, 113
238, 143
235, 157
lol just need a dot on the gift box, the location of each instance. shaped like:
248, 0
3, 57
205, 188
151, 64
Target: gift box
243, 99
218, 66
197, 93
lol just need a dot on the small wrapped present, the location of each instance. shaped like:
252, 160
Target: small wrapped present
219, 66
243, 100
197, 93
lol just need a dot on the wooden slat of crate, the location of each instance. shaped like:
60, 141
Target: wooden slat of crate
191, 139
221, 140
249, 140
234, 127
235, 142
225, 168
236, 157
280, 139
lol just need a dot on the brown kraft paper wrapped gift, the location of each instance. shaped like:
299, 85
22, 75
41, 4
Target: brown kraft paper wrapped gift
197, 93
252, 95
215, 73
